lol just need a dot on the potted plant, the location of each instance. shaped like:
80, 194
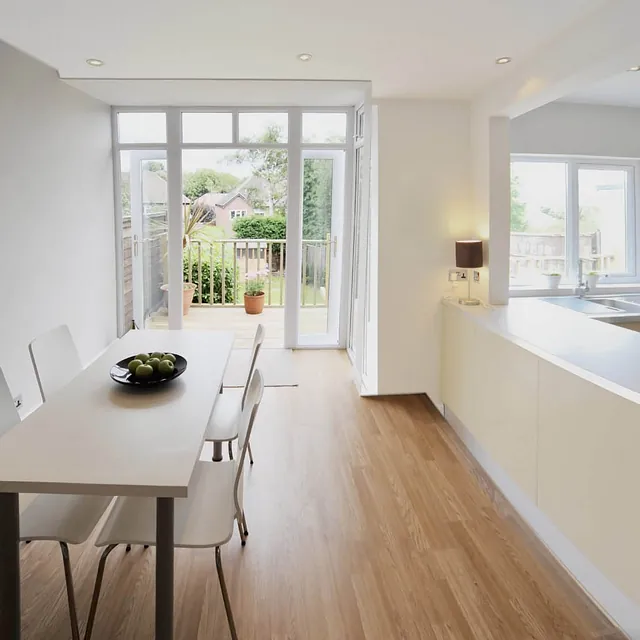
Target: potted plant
188, 290
553, 280
193, 220
592, 279
254, 293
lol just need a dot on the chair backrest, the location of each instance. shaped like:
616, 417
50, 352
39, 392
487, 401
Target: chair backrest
55, 360
255, 350
8, 413
255, 388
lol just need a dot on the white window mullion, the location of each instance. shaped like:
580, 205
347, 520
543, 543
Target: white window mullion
176, 224
573, 227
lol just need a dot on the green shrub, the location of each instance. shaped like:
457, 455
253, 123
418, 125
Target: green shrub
206, 281
264, 228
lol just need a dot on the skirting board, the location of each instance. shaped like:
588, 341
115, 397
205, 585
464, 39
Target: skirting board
619, 608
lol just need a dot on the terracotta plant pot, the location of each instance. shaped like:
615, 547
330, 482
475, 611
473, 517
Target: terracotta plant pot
254, 305
188, 289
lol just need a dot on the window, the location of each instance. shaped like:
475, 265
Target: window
207, 127
324, 128
568, 210
263, 127
140, 128
237, 213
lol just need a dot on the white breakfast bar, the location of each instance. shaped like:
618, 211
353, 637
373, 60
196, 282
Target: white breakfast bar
96, 437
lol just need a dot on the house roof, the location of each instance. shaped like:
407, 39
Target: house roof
154, 189
211, 200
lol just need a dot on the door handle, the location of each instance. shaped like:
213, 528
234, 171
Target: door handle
335, 246
135, 245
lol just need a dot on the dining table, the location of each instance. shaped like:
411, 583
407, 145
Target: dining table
97, 437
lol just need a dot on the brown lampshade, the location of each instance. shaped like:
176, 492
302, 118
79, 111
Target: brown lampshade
468, 254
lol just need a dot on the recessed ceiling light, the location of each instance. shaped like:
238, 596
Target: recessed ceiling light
304, 57
503, 60
636, 68
94, 62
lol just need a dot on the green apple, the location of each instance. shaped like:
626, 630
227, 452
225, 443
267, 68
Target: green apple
153, 363
166, 368
157, 354
134, 364
170, 357
144, 371
143, 357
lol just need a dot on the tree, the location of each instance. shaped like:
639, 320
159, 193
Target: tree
201, 181
263, 228
317, 194
271, 166
518, 208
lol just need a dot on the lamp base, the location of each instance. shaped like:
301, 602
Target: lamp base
469, 302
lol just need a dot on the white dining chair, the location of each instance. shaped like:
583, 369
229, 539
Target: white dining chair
223, 423
203, 520
65, 519
55, 360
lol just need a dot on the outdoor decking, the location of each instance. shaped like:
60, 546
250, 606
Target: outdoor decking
207, 318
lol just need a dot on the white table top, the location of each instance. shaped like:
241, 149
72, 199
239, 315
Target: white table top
97, 437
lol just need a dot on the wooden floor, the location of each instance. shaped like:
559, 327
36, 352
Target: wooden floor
367, 521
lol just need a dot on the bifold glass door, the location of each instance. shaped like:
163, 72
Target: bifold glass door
322, 233
213, 201
146, 260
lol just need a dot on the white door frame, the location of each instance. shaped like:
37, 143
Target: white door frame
137, 230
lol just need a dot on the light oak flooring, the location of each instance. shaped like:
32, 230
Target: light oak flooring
367, 520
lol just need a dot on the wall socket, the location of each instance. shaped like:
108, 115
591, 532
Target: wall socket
17, 401
455, 275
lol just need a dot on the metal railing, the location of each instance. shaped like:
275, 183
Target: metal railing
219, 270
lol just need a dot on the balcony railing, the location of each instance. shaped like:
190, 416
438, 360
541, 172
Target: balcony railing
219, 270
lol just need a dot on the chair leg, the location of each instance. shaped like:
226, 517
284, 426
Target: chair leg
128, 548
225, 596
71, 596
243, 538
96, 591
244, 523
230, 450
250, 453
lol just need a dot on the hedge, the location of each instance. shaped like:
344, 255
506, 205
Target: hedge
206, 281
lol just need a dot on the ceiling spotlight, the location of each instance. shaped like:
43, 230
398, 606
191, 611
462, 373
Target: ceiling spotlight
94, 62
636, 68
503, 60
304, 57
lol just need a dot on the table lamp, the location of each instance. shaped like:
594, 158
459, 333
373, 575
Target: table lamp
468, 256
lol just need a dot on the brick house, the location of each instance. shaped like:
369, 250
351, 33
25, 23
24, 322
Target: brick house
225, 208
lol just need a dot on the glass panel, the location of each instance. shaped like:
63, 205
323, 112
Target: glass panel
263, 127
142, 127
207, 127
538, 222
236, 223
323, 187
602, 223
324, 127
143, 188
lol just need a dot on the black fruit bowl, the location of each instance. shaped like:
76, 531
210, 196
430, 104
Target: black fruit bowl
120, 373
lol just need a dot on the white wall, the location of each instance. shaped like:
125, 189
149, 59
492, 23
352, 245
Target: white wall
57, 254
578, 129
423, 207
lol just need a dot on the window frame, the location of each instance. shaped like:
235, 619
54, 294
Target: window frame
632, 240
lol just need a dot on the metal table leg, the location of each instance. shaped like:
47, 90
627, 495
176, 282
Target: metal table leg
9, 566
217, 451
164, 569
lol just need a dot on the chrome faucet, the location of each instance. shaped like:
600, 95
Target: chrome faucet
583, 287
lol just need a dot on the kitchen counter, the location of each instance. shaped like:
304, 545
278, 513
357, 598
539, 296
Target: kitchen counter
568, 338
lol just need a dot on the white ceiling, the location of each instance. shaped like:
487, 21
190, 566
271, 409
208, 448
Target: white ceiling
622, 90
437, 48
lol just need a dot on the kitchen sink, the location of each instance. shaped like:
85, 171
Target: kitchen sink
616, 304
